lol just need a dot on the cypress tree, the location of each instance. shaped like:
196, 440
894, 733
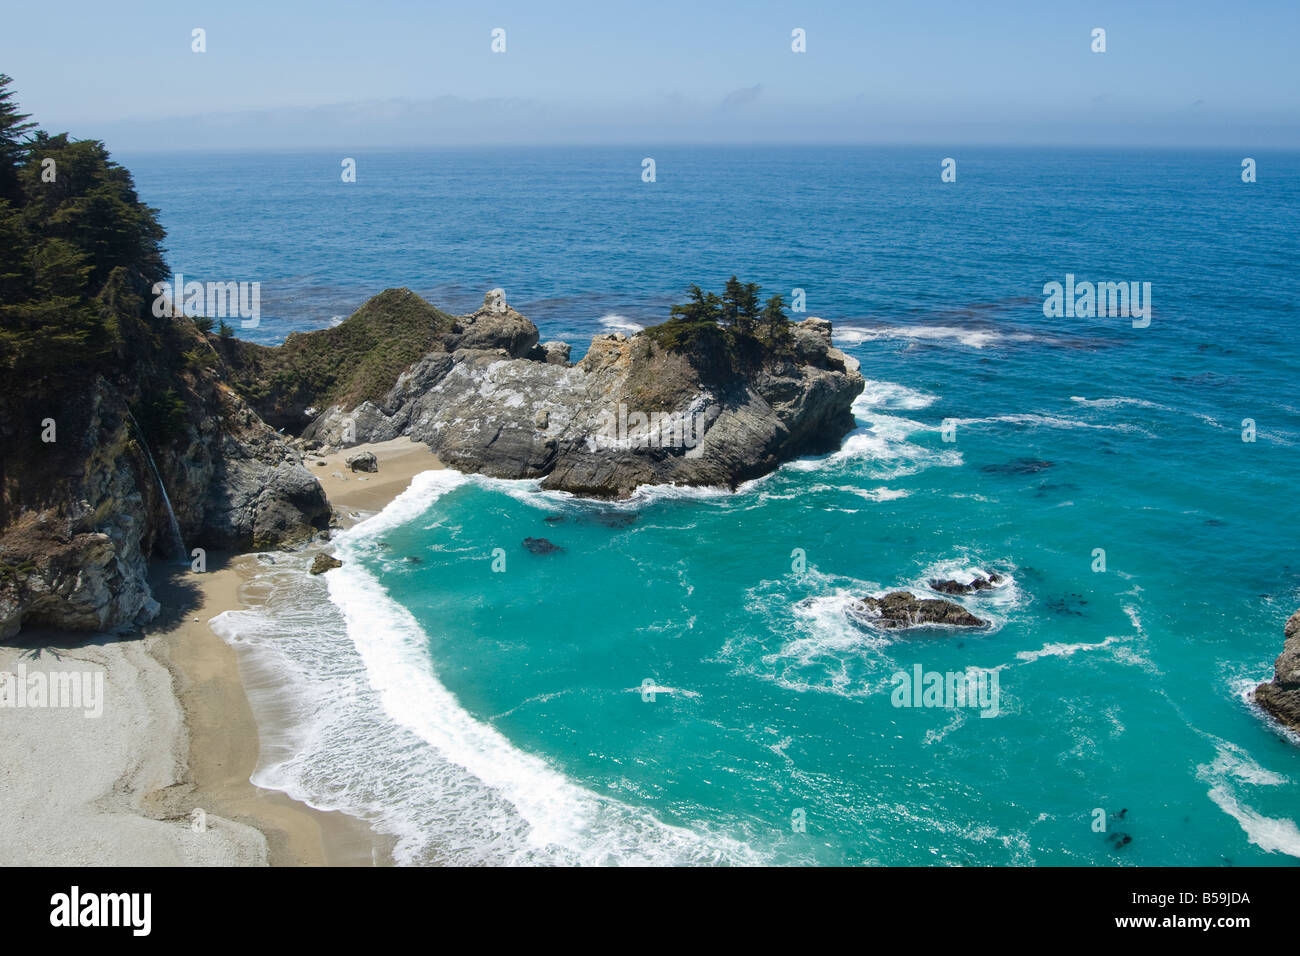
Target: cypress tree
14, 129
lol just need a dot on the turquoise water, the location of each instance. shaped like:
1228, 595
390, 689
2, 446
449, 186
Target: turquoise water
525, 688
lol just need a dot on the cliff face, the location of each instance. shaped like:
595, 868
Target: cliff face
106, 399
1281, 696
631, 412
77, 559
82, 513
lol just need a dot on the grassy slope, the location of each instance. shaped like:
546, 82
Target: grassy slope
356, 361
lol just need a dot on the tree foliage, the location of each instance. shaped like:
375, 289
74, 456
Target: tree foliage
14, 130
76, 248
732, 321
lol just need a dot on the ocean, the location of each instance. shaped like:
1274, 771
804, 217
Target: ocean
685, 682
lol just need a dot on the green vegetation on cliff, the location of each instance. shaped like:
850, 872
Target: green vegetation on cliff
358, 360
79, 254
723, 334
726, 319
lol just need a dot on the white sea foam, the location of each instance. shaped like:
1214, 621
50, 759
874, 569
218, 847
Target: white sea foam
1233, 768
649, 494
1064, 650
878, 394
972, 338
1117, 402
353, 718
620, 323
819, 649
883, 449
881, 442
424, 489
1034, 419
880, 494
1270, 834
656, 689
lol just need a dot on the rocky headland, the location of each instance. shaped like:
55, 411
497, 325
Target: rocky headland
487, 398
208, 441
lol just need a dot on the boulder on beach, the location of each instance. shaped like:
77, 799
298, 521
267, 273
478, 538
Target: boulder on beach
363, 461
325, 562
903, 609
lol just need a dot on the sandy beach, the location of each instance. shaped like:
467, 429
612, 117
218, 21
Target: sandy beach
160, 775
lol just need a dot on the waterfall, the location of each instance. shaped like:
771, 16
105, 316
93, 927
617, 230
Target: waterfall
178, 543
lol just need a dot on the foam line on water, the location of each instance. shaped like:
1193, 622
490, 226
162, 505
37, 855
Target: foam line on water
969, 337
564, 820
1231, 769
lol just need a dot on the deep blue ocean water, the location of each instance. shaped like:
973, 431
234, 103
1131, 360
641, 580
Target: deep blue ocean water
504, 716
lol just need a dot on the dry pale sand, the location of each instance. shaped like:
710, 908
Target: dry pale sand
176, 740
400, 460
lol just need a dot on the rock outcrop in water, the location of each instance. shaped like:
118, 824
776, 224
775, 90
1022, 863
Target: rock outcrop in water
903, 609
632, 412
541, 546
1281, 696
978, 583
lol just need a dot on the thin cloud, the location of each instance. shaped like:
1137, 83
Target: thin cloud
741, 97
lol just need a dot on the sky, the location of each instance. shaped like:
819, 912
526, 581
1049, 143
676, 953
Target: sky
327, 74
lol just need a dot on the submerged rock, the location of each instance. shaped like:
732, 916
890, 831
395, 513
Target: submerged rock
325, 562
1018, 466
903, 609
541, 546
614, 519
1281, 696
1070, 604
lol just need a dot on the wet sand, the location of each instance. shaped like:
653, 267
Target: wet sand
162, 775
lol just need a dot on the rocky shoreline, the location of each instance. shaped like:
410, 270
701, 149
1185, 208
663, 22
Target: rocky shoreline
492, 401
223, 462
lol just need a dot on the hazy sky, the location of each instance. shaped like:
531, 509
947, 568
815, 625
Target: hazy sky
376, 73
